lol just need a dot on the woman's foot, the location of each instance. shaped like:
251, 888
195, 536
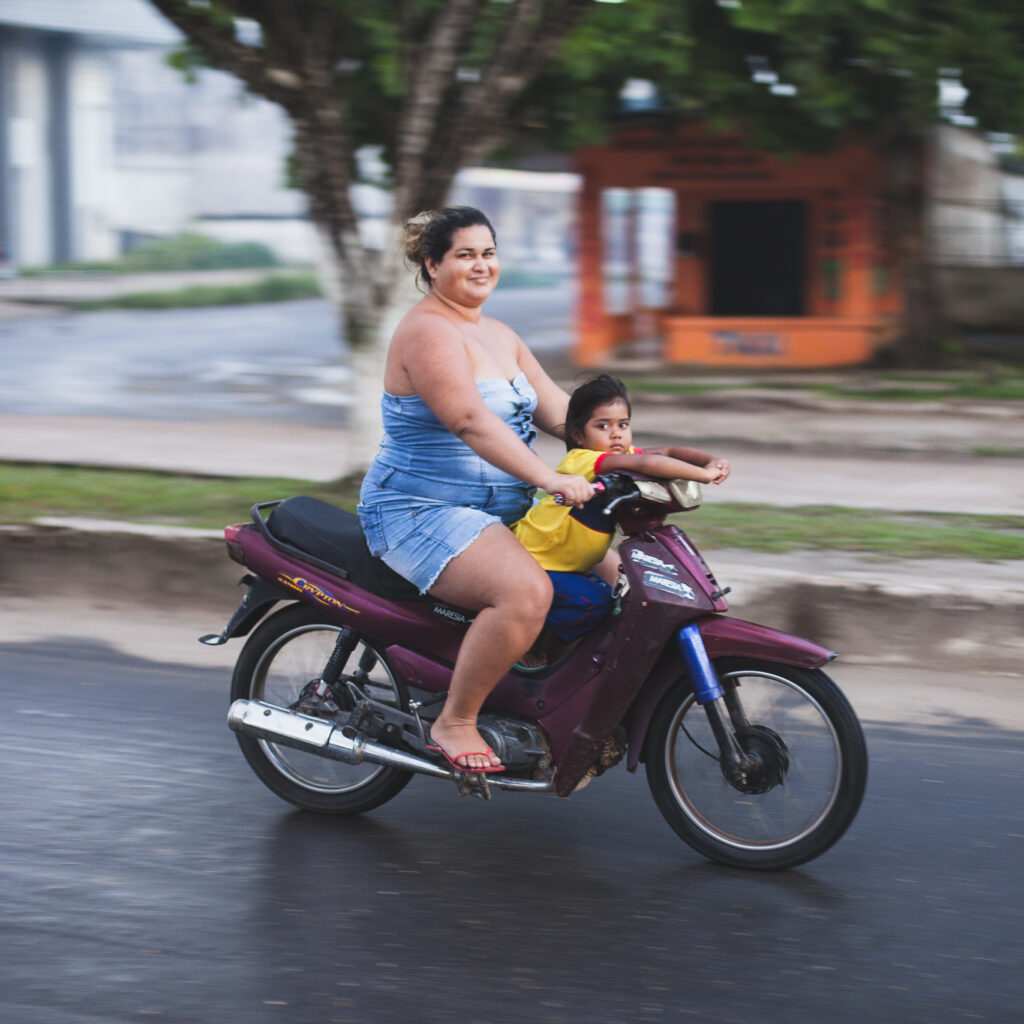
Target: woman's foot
463, 747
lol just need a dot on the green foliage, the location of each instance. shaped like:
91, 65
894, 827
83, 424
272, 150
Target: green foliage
868, 65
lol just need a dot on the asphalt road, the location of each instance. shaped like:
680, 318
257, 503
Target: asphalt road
147, 874
278, 361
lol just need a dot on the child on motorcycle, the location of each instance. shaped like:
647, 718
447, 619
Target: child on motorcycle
574, 544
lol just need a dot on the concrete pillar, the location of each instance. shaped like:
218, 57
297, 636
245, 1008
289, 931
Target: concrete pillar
58, 50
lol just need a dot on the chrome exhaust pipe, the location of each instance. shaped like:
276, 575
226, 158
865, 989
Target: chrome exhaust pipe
317, 736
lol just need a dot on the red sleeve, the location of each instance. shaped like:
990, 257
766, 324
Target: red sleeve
604, 455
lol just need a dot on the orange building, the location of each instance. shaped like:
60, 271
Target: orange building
749, 259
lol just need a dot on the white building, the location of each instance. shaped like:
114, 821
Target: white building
104, 144
975, 201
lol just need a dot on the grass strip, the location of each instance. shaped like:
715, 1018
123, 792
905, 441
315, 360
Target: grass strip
30, 491
885, 534
987, 382
272, 288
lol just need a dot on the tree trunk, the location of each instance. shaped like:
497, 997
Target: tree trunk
924, 328
441, 126
377, 323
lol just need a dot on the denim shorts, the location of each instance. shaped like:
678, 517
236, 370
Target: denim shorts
418, 535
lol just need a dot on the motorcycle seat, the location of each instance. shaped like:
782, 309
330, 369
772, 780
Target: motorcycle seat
335, 537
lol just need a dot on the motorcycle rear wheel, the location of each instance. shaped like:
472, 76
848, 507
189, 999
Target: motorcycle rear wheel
814, 767
289, 649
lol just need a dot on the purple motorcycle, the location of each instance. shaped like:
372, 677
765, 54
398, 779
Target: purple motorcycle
752, 753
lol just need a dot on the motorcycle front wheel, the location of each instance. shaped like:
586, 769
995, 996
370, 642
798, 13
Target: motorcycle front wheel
812, 767
288, 650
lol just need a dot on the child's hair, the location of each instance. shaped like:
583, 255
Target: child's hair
599, 390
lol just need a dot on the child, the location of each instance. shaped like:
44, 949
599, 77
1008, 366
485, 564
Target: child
574, 545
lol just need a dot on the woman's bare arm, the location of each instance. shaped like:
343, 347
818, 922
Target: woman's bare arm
438, 367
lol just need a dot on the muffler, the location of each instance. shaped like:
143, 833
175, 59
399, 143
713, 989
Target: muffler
317, 736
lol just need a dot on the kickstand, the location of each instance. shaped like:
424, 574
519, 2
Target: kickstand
414, 707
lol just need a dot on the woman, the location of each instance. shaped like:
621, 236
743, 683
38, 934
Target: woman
455, 467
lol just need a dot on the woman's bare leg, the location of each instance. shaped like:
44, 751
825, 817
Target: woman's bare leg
500, 580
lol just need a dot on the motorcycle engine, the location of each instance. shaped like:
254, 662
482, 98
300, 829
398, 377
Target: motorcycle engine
521, 744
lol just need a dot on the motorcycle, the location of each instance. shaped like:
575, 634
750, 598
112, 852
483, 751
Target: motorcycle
752, 753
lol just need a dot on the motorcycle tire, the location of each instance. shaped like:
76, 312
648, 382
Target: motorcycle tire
811, 775
286, 651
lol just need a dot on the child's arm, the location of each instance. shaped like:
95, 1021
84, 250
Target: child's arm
696, 457
667, 467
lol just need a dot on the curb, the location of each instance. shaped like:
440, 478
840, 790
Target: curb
956, 620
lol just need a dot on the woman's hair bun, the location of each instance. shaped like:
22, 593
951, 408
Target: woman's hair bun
412, 237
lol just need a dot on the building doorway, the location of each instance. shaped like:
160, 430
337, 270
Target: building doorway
757, 257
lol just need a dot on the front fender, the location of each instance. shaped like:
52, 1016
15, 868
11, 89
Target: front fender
727, 637
723, 637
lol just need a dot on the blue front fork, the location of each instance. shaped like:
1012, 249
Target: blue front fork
723, 711
706, 686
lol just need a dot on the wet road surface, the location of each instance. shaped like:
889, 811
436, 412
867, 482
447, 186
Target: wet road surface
148, 875
278, 361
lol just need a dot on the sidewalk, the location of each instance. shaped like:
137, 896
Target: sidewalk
865, 455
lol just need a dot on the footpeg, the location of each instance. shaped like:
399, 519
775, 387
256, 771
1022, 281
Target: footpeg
472, 784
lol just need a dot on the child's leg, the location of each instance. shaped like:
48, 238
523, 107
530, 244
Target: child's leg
608, 567
580, 602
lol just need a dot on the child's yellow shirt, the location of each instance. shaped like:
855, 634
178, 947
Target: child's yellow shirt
561, 537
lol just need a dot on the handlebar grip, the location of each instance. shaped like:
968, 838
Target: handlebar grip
559, 498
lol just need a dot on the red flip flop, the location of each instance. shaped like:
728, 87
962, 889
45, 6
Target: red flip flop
453, 761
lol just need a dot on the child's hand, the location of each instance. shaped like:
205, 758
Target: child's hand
719, 468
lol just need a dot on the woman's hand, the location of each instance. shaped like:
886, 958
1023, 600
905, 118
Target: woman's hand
575, 490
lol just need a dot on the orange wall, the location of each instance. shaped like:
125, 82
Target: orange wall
839, 189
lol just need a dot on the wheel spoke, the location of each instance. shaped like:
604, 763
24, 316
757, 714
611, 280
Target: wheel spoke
784, 813
286, 667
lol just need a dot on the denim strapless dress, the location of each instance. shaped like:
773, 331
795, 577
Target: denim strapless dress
427, 495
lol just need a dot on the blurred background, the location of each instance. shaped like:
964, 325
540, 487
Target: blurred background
742, 248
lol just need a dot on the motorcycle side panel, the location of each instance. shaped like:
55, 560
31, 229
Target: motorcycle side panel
420, 624
664, 594
530, 696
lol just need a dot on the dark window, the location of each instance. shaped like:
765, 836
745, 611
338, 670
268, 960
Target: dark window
757, 258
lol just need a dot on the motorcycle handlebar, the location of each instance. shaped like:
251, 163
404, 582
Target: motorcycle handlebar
559, 498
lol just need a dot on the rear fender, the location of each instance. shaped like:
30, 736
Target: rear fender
723, 637
259, 599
